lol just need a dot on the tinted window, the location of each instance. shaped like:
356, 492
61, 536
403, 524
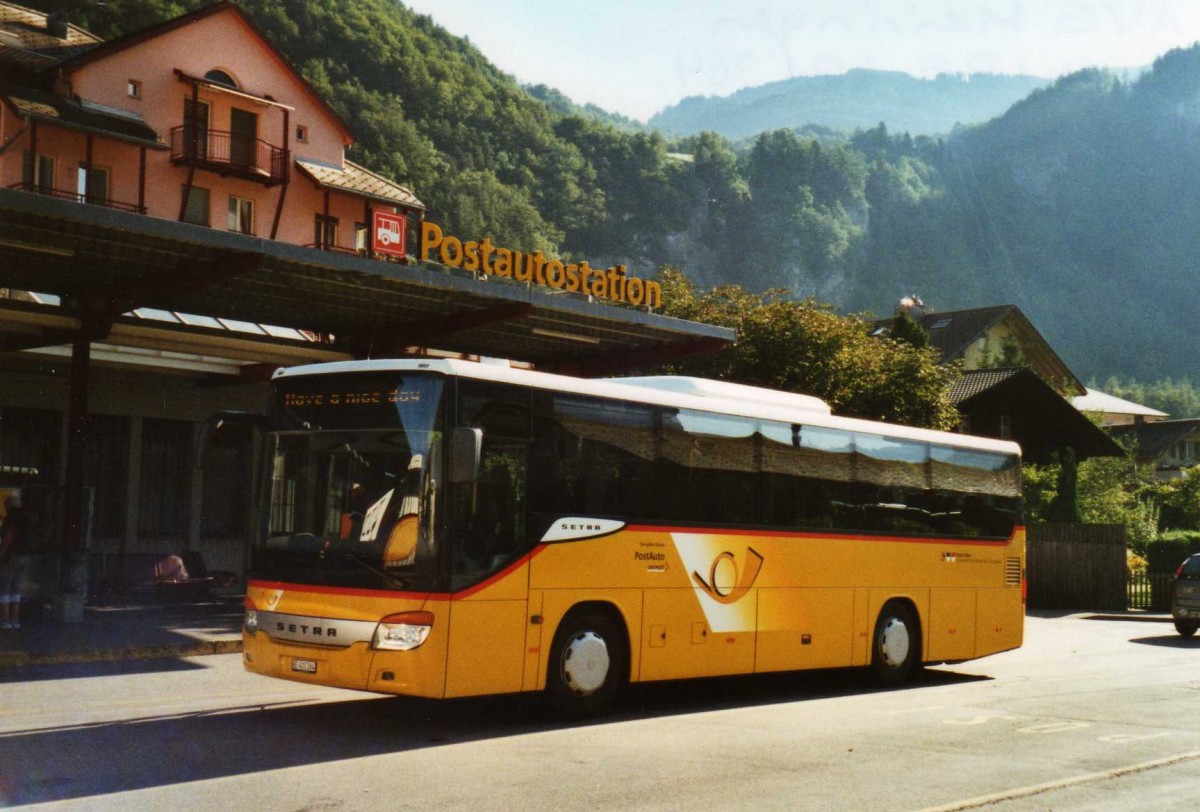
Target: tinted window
708, 466
1191, 568
491, 514
595, 457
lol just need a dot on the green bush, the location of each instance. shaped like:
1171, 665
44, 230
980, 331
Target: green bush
1168, 551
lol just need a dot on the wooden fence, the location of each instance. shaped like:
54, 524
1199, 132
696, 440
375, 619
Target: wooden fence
1076, 566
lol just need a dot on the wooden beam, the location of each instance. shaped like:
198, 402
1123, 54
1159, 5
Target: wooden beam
423, 331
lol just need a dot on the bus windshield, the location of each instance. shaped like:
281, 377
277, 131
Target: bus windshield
353, 481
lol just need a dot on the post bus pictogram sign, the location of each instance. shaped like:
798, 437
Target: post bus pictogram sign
388, 233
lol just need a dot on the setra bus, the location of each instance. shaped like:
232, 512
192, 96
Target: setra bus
443, 528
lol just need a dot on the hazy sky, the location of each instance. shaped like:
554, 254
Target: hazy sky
637, 56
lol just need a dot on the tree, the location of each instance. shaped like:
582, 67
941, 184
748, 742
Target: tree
803, 346
908, 331
1065, 508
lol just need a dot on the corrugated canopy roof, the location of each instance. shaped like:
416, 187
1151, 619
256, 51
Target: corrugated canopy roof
28, 102
360, 181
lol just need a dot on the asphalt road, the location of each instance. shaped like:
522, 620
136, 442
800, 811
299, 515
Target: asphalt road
1090, 714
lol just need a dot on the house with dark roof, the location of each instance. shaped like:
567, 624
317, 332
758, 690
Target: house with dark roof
1014, 385
1015, 403
989, 338
1170, 446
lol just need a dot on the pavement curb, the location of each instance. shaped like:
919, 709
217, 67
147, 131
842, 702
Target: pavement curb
16, 659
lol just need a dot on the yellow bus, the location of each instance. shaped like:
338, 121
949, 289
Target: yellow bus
444, 528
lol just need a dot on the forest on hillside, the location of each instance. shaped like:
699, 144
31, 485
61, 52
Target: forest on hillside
1076, 204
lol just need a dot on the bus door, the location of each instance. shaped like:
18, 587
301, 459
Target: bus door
489, 540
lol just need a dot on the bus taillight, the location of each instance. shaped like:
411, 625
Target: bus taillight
403, 631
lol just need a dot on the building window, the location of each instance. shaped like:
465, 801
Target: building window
964, 425
1005, 426
241, 215
196, 208
227, 483
29, 444
196, 115
38, 173
220, 77
133, 88
92, 186
165, 492
302, 134
360, 237
106, 472
325, 231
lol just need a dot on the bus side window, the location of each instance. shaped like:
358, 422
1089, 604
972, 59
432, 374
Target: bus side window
490, 515
606, 458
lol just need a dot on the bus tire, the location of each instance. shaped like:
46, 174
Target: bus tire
1186, 627
896, 644
589, 662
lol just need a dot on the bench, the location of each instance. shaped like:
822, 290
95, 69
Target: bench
162, 578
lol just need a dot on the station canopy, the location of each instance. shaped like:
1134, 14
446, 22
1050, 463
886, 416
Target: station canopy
103, 264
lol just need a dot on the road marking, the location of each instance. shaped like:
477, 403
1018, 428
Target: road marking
1053, 727
1124, 738
979, 720
1050, 786
903, 711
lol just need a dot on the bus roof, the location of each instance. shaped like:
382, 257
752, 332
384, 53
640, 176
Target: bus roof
700, 394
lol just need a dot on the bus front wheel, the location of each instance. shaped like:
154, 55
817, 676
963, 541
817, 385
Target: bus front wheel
588, 663
1186, 627
896, 644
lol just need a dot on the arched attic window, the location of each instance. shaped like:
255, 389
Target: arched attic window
220, 77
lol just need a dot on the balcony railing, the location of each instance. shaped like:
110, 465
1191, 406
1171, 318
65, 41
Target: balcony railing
90, 199
230, 153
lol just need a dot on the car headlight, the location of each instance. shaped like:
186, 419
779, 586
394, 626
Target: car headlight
403, 632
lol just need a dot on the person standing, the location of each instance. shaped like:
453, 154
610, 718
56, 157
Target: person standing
13, 538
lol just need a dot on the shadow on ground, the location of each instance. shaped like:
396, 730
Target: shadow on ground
76, 762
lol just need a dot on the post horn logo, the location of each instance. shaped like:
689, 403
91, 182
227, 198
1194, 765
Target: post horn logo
725, 583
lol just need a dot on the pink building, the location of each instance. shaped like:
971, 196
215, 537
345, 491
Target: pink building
165, 198
198, 119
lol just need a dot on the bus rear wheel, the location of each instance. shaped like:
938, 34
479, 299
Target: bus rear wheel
1186, 627
588, 664
896, 644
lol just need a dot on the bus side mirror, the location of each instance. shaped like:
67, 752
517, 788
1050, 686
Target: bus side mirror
254, 420
465, 448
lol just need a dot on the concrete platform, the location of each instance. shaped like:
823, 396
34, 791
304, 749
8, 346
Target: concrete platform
134, 632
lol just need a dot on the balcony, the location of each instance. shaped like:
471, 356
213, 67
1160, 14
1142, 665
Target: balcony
228, 153
91, 199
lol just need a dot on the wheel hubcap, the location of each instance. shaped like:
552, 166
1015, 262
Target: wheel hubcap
585, 663
894, 642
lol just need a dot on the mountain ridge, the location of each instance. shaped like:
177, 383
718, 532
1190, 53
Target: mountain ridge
857, 99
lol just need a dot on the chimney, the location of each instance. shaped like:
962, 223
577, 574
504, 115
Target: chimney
58, 25
913, 307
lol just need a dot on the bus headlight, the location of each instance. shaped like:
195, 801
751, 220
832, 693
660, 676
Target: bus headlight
403, 632
250, 623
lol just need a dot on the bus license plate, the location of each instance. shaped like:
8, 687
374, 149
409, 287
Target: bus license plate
304, 666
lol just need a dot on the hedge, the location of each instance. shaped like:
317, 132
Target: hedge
1168, 551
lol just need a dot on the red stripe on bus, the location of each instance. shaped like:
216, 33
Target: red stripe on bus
343, 590
387, 593
504, 573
